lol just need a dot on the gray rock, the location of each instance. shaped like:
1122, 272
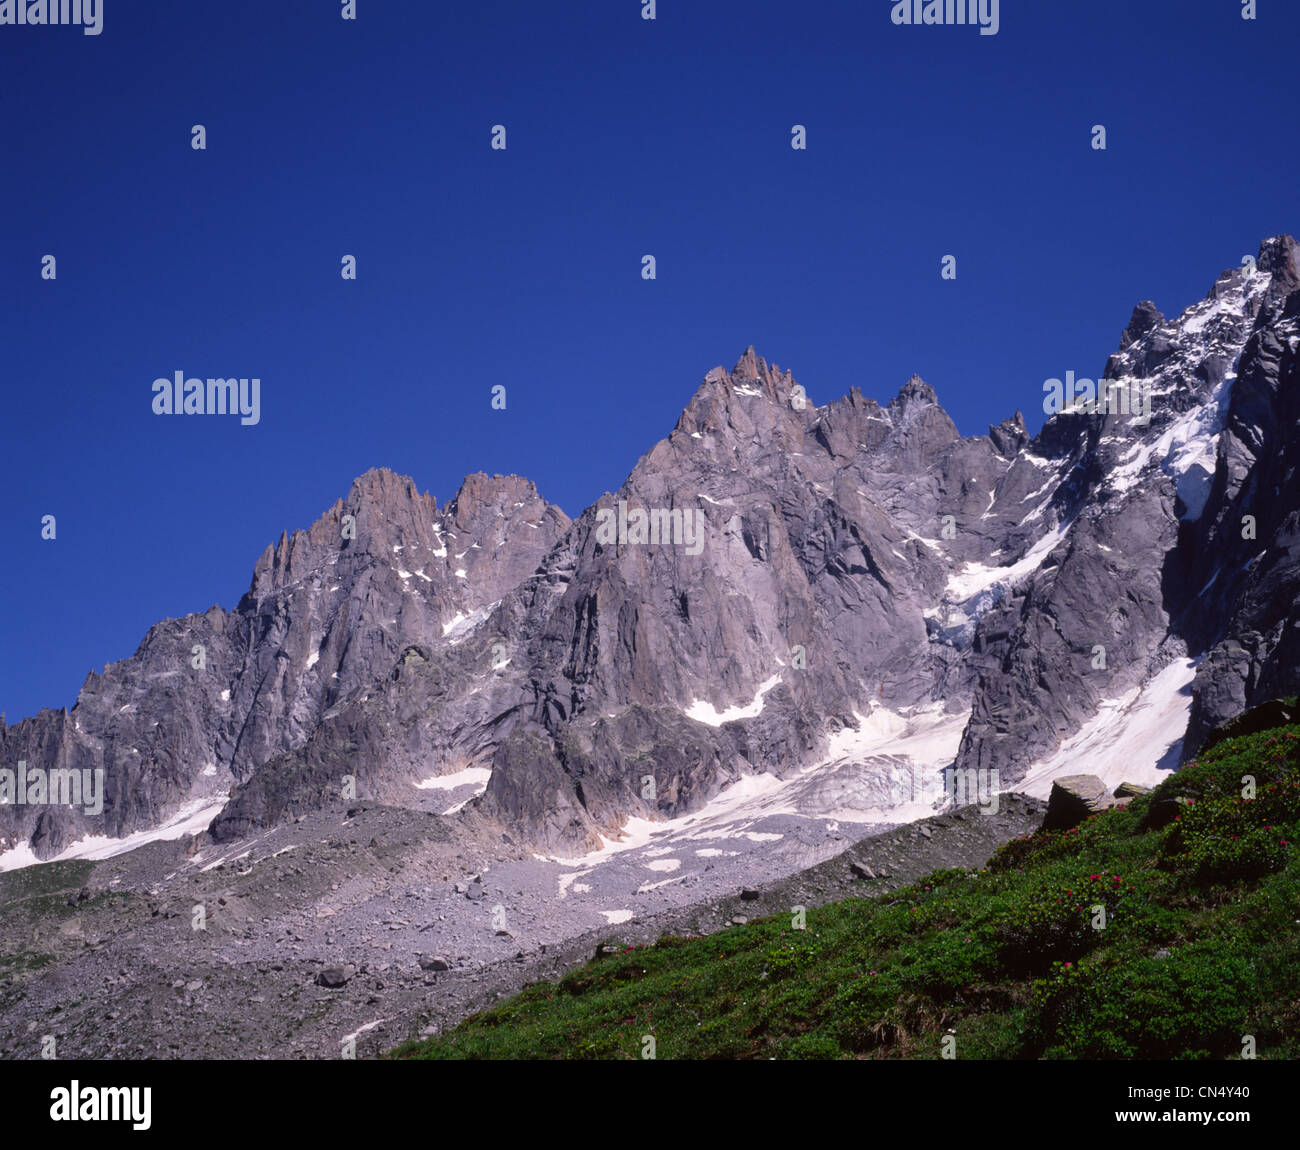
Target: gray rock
1264, 717
1073, 799
333, 977
1130, 791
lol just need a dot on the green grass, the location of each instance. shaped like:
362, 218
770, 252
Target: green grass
23, 961
1199, 948
46, 879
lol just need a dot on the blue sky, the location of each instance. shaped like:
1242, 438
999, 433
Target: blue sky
522, 267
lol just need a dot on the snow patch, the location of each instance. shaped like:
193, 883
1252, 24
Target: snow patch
566, 880
703, 712
614, 917
189, 820
460, 625
362, 1029
476, 775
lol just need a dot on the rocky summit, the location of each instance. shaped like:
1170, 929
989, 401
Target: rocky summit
790, 628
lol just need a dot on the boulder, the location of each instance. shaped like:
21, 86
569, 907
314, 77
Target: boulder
334, 977
1130, 790
1073, 799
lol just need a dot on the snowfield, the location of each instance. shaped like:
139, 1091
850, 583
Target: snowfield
189, 820
1135, 738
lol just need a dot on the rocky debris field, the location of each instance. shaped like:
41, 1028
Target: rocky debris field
326, 934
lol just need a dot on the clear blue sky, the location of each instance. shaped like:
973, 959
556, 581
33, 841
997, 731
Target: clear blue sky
522, 267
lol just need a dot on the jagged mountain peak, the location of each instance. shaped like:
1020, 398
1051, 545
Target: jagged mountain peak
915, 393
745, 400
907, 566
1009, 436
383, 483
1145, 317
482, 489
752, 367
1279, 256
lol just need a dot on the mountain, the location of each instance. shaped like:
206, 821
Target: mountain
843, 600
329, 612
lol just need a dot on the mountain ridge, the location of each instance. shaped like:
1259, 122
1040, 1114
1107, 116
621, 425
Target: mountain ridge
859, 557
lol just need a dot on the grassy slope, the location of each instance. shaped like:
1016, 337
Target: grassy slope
32, 900
1200, 947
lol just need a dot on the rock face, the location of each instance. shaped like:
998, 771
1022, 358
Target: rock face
1241, 558
1266, 716
776, 585
1150, 562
